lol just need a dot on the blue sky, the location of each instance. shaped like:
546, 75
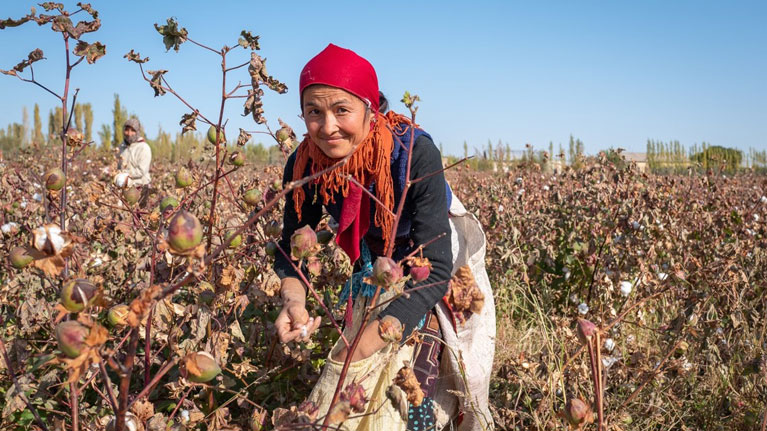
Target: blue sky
609, 73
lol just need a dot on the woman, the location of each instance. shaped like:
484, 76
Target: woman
342, 108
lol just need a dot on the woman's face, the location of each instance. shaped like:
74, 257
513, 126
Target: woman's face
336, 120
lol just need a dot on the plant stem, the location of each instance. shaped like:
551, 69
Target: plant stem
75, 406
125, 380
108, 384
219, 136
148, 346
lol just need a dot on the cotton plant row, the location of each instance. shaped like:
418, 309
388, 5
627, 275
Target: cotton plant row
682, 254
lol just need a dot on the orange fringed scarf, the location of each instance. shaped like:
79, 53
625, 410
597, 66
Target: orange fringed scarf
370, 163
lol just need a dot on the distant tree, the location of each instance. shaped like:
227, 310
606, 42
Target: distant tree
24, 126
717, 156
105, 136
54, 120
119, 116
88, 119
79, 117
37, 133
465, 150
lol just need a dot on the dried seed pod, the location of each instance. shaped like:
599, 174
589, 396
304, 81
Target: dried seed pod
19, 257
586, 330
201, 367
577, 413
118, 314
355, 395
233, 241
237, 159
168, 202
390, 329
78, 293
252, 197
54, 179
303, 243
71, 337
212, 135
131, 195
184, 231
386, 272
183, 178
420, 268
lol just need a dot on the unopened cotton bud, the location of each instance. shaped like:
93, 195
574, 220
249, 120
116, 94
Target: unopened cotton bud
586, 330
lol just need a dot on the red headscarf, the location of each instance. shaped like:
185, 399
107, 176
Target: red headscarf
342, 68
370, 162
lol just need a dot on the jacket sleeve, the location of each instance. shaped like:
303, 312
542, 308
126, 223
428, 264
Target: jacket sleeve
427, 207
311, 213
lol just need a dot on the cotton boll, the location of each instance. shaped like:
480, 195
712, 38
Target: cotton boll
609, 361
609, 344
40, 237
10, 228
583, 308
626, 288
121, 179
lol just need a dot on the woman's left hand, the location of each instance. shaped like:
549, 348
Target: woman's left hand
370, 343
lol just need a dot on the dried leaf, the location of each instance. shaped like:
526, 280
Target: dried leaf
91, 52
173, 35
10, 22
248, 40
32, 57
88, 8
140, 305
463, 294
143, 409
49, 6
276, 85
407, 381
188, 122
156, 81
135, 57
243, 138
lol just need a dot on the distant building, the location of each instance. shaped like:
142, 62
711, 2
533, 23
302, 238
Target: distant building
639, 158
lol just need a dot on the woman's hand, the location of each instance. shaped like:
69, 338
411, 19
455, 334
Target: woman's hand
370, 343
294, 322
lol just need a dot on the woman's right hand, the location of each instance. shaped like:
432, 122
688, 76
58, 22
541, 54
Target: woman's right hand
293, 322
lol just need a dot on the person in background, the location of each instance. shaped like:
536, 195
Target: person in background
135, 156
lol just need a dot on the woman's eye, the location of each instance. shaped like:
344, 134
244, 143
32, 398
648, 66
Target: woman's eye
342, 110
